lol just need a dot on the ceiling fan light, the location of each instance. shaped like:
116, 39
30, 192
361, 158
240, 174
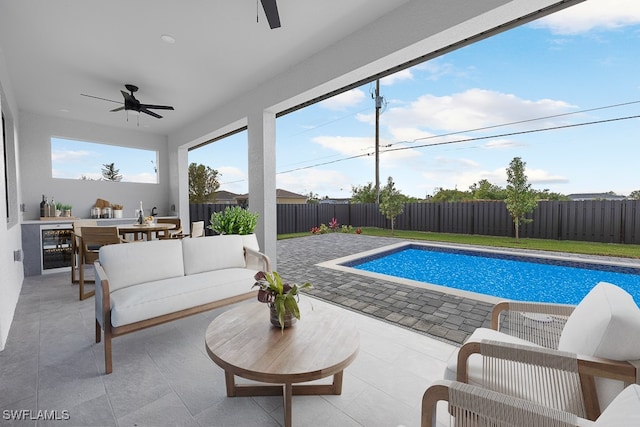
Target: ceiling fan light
167, 38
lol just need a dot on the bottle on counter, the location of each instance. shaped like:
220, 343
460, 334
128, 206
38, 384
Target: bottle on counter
43, 205
52, 207
140, 214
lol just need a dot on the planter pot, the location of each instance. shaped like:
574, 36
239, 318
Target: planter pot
117, 213
289, 319
66, 213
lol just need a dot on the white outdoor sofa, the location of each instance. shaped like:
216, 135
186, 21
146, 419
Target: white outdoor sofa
143, 284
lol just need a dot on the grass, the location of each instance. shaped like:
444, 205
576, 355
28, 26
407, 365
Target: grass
569, 246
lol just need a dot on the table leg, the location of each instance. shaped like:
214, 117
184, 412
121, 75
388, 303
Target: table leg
230, 381
286, 397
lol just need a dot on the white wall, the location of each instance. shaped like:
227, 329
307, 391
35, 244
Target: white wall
36, 178
10, 236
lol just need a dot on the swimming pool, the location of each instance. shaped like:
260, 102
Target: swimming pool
498, 274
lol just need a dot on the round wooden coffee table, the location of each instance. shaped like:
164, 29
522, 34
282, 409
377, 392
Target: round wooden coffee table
243, 342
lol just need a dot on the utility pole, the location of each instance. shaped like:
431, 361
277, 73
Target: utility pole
378, 100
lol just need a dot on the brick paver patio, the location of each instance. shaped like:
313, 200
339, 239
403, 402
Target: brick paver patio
438, 314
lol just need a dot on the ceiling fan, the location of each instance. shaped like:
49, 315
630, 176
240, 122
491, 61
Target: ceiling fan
132, 104
271, 10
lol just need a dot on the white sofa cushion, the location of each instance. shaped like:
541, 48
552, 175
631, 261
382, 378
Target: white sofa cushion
213, 253
606, 324
152, 299
623, 411
129, 264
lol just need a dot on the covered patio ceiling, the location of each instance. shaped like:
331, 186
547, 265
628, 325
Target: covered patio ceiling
56, 51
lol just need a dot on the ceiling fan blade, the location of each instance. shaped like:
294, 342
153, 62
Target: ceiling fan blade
151, 113
271, 10
156, 107
97, 97
117, 109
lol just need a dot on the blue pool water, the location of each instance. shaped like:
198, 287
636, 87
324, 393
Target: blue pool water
505, 276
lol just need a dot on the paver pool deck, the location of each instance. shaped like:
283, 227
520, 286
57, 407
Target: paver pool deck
442, 315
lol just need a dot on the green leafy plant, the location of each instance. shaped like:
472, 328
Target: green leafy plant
233, 220
283, 296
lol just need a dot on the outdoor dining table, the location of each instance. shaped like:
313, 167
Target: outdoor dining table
139, 230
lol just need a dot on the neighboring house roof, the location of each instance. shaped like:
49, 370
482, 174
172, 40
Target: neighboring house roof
222, 196
335, 201
595, 196
280, 194
284, 194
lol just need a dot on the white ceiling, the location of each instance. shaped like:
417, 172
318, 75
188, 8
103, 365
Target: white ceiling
57, 50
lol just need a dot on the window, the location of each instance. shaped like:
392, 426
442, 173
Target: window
73, 159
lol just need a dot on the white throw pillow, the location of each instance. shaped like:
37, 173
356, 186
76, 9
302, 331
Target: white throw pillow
213, 253
606, 323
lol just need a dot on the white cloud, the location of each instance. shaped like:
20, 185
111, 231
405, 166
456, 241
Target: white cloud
365, 147
321, 181
70, 155
592, 15
541, 176
503, 144
394, 78
472, 109
347, 145
233, 179
344, 100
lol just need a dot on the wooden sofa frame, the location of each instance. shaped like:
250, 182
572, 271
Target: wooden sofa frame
111, 332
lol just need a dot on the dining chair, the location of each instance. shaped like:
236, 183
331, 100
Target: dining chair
92, 239
76, 244
175, 233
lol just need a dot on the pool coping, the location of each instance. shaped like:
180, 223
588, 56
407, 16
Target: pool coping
338, 264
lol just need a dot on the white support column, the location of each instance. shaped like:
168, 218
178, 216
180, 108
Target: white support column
180, 195
262, 179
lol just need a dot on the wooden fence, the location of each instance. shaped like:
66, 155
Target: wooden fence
594, 221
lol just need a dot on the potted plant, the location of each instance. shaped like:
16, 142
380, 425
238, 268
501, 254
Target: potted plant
233, 220
117, 210
66, 210
58, 209
281, 297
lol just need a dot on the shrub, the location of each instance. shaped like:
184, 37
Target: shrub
233, 220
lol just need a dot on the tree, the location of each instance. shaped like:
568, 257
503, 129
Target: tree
484, 190
520, 200
442, 195
313, 198
110, 173
391, 202
203, 183
635, 195
363, 193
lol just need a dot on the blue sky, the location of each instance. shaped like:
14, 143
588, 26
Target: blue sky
583, 58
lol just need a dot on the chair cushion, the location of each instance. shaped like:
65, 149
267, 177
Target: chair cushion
213, 253
602, 324
606, 324
624, 410
149, 300
129, 264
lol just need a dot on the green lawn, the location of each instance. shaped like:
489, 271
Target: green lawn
588, 248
